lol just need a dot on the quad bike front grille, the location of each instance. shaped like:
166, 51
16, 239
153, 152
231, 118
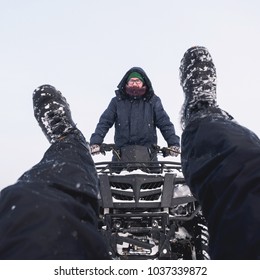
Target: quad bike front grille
127, 192
137, 190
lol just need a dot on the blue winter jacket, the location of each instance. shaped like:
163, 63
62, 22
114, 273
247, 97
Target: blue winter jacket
135, 118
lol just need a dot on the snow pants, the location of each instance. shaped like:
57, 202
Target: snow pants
221, 165
51, 212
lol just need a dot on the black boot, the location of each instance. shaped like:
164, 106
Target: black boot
52, 112
198, 79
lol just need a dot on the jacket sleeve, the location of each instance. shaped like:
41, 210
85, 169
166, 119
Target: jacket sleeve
106, 121
162, 121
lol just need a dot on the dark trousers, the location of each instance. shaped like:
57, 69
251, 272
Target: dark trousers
51, 212
221, 164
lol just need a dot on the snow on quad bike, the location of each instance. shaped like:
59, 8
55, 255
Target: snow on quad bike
146, 209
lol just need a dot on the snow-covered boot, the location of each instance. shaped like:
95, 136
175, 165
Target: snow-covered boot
198, 79
52, 112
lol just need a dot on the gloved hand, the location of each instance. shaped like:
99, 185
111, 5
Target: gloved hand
95, 149
174, 151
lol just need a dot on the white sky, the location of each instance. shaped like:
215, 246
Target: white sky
84, 48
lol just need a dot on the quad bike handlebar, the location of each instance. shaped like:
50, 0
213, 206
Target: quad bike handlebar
136, 157
164, 151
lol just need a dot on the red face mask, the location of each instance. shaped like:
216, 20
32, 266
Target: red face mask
135, 91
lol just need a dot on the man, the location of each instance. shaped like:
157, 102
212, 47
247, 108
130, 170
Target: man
51, 212
136, 112
220, 161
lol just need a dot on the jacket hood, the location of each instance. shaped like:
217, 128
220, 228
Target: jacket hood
120, 92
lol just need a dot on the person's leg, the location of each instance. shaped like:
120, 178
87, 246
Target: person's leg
221, 166
220, 161
51, 212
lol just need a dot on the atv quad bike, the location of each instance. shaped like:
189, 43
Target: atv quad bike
146, 209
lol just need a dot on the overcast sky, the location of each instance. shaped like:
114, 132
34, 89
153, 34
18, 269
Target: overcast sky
84, 48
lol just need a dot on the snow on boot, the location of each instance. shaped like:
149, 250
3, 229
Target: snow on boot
198, 79
52, 112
